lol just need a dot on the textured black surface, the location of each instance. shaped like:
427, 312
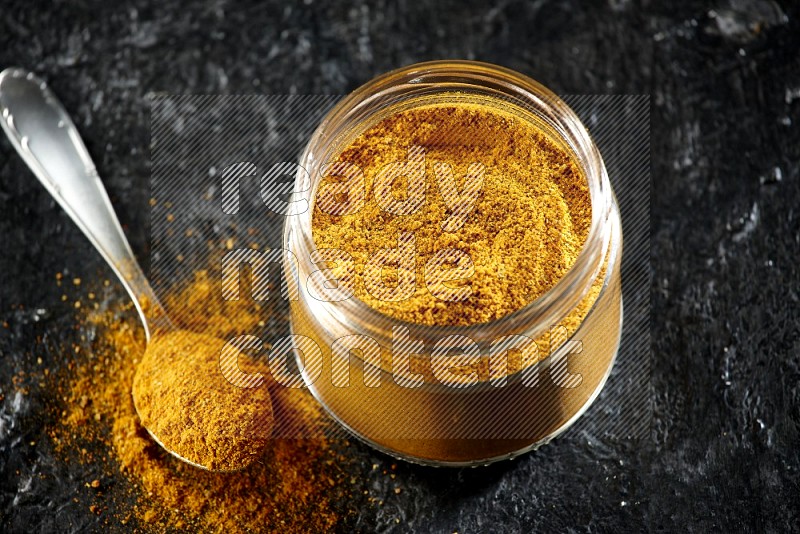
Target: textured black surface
725, 86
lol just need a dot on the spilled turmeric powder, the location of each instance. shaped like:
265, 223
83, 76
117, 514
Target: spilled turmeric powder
299, 483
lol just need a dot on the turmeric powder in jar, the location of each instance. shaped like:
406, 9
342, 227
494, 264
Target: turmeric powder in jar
465, 220
528, 219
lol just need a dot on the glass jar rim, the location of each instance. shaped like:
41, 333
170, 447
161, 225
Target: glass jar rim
546, 310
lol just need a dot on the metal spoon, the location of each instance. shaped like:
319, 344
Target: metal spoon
45, 137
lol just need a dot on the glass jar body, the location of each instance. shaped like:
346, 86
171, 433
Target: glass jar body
409, 413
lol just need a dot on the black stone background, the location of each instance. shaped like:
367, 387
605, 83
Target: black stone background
724, 78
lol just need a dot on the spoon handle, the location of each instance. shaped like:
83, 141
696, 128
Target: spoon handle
45, 137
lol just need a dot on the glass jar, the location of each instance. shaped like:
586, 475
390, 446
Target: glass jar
415, 416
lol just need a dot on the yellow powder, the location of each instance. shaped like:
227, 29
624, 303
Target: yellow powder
527, 226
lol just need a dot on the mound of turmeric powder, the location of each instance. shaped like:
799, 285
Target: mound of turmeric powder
183, 399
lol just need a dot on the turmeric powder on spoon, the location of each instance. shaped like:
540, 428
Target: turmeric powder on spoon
187, 404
